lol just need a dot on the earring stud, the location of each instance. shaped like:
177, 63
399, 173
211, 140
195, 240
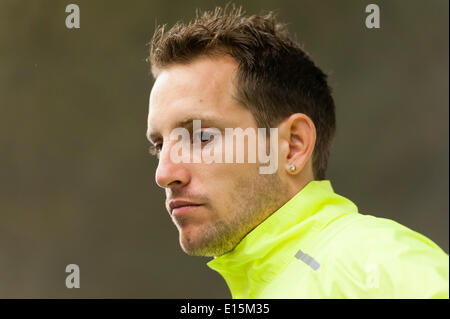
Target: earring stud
292, 168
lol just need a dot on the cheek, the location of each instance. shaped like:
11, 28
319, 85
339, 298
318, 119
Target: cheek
227, 183
223, 184
220, 177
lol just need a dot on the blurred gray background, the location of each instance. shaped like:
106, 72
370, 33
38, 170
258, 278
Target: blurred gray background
77, 184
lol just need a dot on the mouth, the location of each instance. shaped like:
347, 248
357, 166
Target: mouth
181, 207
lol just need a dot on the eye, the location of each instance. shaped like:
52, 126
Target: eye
204, 136
155, 149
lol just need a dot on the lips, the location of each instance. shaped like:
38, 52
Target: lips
174, 204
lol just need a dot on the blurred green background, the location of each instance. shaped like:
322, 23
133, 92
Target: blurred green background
77, 184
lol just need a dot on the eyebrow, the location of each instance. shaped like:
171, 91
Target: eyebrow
188, 122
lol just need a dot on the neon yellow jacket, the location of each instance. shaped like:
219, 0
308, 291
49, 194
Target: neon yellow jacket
318, 245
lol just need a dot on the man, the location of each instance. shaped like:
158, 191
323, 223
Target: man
280, 235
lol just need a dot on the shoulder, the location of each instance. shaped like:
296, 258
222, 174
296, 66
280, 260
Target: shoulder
370, 235
384, 259
364, 231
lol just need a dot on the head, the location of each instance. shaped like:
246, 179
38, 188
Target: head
233, 71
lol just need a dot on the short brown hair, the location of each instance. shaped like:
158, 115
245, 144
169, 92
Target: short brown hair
276, 78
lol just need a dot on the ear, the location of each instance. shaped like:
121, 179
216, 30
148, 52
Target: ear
297, 140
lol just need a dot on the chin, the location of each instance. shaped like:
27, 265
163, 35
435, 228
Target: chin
190, 244
194, 251
194, 244
205, 239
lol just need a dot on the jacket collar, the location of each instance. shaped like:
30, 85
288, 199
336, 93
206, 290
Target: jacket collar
257, 259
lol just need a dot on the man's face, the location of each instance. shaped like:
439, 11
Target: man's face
231, 198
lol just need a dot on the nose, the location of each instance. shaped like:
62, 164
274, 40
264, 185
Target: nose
169, 174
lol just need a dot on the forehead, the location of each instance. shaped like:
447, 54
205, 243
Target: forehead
204, 77
204, 87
